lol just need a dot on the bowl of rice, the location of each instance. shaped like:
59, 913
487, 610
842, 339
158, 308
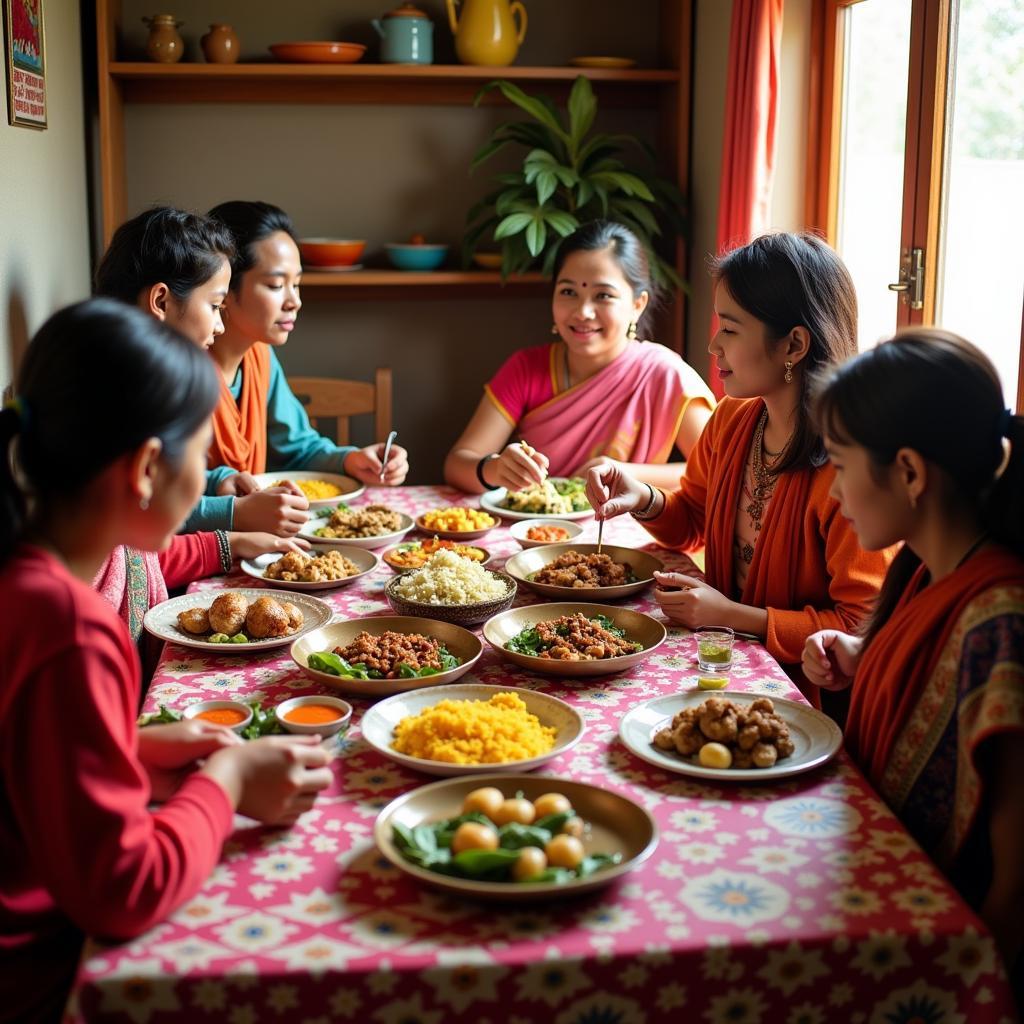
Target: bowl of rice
460, 728
451, 588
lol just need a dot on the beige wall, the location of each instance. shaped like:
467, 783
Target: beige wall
710, 70
44, 234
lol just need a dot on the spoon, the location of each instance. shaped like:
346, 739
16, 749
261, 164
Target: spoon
387, 452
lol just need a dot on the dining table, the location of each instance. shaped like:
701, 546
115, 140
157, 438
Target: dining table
793, 900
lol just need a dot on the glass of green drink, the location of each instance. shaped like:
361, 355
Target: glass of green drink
714, 648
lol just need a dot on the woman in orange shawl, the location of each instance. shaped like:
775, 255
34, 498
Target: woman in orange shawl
915, 429
781, 561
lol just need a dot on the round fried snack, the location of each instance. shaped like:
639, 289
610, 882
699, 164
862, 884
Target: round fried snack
266, 618
227, 613
295, 616
194, 620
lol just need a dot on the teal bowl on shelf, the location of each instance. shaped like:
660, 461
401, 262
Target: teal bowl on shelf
416, 257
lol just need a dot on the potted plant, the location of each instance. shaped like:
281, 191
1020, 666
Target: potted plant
569, 175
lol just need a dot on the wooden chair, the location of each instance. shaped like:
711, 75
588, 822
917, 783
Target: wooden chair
327, 398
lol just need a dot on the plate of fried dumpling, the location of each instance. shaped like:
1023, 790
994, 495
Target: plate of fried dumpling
240, 619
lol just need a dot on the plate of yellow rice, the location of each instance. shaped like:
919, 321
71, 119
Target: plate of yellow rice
323, 490
461, 728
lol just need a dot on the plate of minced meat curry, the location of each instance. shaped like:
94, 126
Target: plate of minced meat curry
382, 655
317, 569
574, 639
365, 526
466, 727
573, 570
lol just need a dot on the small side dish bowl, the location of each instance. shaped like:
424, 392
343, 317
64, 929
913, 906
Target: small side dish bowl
522, 527
232, 713
330, 252
408, 256
488, 260
461, 614
411, 554
314, 714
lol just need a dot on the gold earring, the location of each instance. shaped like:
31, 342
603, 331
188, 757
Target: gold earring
554, 328
789, 371
631, 330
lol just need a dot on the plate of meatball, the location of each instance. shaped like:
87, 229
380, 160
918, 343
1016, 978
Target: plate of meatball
236, 620
731, 737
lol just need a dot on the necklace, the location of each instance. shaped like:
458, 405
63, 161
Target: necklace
762, 484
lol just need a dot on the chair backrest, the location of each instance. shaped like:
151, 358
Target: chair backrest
329, 398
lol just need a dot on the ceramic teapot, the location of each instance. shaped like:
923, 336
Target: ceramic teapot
407, 36
487, 32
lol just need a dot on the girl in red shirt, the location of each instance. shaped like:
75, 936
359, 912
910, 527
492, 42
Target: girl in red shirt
108, 430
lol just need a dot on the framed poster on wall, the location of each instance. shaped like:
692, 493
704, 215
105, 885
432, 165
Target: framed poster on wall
24, 61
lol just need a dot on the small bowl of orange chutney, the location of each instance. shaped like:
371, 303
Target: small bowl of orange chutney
314, 714
232, 713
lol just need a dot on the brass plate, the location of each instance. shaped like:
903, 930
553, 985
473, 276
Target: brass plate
460, 642
617, 825
639, 627
378, 725
531, 560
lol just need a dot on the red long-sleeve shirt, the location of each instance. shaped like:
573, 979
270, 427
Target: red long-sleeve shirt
79, 849
190, 557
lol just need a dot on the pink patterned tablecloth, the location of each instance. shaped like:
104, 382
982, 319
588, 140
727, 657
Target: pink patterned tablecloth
798, 902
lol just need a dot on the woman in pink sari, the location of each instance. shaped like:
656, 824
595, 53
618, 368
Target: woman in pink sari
597, 394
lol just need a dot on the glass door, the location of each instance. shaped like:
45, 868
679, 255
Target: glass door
920, 150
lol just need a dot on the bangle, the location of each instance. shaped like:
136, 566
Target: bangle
224, 550
645, 512
480, 470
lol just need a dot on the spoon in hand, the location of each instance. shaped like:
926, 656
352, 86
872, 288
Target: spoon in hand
387, 452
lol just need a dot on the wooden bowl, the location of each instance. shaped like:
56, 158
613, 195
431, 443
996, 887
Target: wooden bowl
460, 614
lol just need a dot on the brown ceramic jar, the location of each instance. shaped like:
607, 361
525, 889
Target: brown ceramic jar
220, 45
164, 45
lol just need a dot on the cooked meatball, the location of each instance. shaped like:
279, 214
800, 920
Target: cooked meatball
227, 613
295, 616
194, 620
266, 618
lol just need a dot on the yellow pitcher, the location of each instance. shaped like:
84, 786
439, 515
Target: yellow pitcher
486, 33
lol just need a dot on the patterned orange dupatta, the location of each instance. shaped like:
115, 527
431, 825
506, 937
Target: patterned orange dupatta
240, 428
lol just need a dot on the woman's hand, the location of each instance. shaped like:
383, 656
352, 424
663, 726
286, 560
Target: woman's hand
169, 752
274, 779
364, 464
691, 602
601, 460
272, 511
831, 657
517, 467
251, 545
612, 491
238, 485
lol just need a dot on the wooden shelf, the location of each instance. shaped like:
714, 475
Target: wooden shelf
441, 283
144, 82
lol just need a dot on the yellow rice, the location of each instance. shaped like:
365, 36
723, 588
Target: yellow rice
317, 490
474, 732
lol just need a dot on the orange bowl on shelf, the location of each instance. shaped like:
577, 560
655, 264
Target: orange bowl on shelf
330, 252
318, 53
488, 260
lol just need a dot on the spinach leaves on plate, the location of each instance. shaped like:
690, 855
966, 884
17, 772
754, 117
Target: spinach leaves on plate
335, 665
528, 641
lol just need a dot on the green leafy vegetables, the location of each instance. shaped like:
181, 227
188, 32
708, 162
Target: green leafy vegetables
530, 642
264, 722
335, 665
429, 846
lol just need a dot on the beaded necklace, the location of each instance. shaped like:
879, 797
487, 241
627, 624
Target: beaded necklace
761, 483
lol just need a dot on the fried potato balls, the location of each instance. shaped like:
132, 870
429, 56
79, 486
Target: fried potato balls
231, 615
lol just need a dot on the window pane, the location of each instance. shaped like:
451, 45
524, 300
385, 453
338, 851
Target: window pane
981, 266
876, 56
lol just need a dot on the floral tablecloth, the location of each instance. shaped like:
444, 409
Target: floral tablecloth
797, 902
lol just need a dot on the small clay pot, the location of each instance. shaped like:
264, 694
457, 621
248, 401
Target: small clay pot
220, 45
164, 44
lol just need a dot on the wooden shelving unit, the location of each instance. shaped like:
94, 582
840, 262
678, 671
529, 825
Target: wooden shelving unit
665, 89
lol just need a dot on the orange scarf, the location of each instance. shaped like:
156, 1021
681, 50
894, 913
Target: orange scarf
240, 428
897, 666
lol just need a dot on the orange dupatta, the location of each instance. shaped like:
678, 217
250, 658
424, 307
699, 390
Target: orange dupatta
897, 668
240, 428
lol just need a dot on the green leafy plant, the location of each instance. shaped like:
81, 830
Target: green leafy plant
570, 175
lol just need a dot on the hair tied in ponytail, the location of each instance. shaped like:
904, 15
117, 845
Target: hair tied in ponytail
19, 407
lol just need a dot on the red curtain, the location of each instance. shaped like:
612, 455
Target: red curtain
751, 111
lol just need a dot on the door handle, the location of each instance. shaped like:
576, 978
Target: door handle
911, 282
